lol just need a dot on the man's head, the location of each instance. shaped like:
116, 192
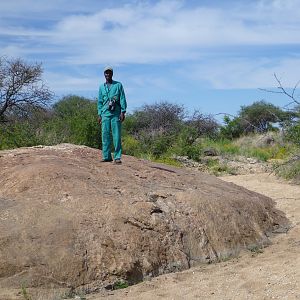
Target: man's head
108, 73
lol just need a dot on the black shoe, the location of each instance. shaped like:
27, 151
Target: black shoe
106, 160
118, 161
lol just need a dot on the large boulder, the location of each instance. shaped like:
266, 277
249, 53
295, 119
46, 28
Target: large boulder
68, 220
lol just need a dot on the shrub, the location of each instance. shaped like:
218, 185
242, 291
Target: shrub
290, 170
74, 121
185, 144
18, 134
203, 125
131, 146
293, 134
232, 129
158, 118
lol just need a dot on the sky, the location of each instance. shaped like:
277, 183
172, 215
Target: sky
212, 56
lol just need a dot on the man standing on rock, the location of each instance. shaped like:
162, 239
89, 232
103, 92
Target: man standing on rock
111, 113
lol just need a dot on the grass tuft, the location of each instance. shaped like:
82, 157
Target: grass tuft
24, 292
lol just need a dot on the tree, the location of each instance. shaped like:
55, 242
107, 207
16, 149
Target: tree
158, 118
259, 116
74, 121
232, 128
21, 88
204, 125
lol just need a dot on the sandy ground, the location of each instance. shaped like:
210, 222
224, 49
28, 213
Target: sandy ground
272, 273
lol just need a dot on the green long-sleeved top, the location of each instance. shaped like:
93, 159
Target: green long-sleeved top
106, 92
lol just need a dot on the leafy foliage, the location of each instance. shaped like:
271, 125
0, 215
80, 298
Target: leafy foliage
71, 120
159, 132
165, 128
233, 128
259, 117
74, 121
293, 133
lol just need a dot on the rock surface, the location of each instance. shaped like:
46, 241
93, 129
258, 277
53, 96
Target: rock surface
68, 220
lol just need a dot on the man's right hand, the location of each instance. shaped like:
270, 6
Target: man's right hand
99, 119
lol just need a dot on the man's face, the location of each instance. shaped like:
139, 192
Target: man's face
108, 75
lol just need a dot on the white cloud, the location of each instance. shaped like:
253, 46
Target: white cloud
70, 83
146, 32
46, 9
246, 74
168, 30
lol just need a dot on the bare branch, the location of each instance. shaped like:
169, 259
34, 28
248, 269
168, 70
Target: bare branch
283, 91
21, 84
269, 91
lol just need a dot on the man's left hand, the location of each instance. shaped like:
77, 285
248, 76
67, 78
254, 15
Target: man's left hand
122, 116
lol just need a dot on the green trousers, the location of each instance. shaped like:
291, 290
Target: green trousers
111, 124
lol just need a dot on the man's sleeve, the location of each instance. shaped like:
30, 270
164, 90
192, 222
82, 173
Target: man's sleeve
123, 102
100, 102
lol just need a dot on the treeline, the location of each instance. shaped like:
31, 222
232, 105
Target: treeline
70, 120
160, 131
157, 130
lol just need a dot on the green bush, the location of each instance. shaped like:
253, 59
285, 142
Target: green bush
290, 170
232, 128
185, 144
131, 146
74, 120
293, 134
19, 134
157, 132
160, 144
71, 120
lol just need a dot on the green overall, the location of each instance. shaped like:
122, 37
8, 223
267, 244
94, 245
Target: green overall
111, 119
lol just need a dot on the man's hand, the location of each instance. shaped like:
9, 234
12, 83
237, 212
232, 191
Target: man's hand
99, 119
122, 116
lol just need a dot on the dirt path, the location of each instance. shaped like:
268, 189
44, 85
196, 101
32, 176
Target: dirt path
272, 274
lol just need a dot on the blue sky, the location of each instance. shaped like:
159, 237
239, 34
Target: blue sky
207, 55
